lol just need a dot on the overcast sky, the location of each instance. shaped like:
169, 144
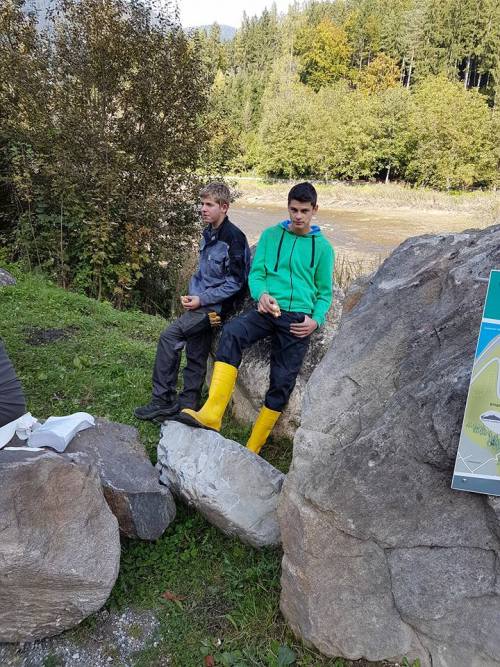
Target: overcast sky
228, 12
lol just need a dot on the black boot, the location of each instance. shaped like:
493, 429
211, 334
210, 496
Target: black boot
157, 410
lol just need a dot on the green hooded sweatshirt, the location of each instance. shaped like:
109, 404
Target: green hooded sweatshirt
295, 270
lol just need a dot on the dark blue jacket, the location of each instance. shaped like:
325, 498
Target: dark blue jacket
221, 278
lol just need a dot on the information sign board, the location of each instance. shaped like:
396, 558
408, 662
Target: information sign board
477, 466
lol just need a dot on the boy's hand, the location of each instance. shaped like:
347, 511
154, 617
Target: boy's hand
305, 328
268, 304
190, 302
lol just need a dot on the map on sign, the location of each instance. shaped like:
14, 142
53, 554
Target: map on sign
477, 466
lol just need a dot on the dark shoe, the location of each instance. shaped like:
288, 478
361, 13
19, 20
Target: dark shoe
156, 410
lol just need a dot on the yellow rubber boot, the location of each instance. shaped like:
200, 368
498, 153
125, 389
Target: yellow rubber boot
262, 428
220, 390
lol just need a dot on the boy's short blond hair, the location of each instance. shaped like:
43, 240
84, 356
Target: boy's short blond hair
218, 191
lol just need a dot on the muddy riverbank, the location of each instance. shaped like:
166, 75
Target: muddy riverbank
336, 195
359, 222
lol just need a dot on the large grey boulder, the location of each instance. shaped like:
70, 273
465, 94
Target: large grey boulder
59, 546
381, 558
233, 488
131, 484
253, 376
6, 278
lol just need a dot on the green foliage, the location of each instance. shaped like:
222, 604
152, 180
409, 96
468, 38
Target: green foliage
324, 53
286, 134
334, 90
406, 663
100, 132
439, 135
336, 133
52, 661
380, 74
453, 140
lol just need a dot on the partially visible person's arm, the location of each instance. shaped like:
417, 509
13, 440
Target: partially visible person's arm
12, 402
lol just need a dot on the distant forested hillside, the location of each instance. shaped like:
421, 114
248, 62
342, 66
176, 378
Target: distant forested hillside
226, 32
349, 89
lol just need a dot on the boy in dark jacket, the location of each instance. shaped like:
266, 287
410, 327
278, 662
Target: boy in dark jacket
220, 279
291, 281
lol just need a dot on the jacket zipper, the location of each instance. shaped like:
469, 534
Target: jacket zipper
291, 278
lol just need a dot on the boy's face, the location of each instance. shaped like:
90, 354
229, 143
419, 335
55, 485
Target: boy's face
301, 215
212, 213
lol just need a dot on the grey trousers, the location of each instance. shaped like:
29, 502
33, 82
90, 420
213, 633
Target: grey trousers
12, 403
191, 330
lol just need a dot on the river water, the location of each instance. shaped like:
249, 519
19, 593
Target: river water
362, 234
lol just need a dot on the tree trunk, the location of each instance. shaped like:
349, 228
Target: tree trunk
467, 74
410, 69
387, 174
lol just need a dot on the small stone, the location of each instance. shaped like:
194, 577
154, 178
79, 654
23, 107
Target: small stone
6, 278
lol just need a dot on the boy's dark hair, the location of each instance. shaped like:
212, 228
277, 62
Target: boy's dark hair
303, 192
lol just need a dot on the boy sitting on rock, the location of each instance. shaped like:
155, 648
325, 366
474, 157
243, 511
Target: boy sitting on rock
220, 279
291, 281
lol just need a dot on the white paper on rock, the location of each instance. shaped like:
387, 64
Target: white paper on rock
57, 432
22, 427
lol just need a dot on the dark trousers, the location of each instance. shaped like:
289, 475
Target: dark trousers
192, 330
287, 351
12, 403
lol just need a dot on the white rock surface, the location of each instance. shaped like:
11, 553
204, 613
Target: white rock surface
233, 488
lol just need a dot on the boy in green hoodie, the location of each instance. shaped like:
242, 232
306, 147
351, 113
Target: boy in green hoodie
291, 281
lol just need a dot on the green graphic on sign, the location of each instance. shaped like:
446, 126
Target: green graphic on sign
477, 467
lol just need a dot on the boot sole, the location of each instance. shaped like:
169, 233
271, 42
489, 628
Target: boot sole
165, 418
158, 416
187, 420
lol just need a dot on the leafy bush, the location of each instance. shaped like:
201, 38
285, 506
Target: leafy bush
101, 131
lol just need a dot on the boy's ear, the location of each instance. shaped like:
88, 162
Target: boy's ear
315, 209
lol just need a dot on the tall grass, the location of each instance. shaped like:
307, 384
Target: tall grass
347, 270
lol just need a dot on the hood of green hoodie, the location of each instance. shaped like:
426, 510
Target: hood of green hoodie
315, 229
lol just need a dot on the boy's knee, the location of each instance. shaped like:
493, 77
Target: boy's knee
169, 334
230, 329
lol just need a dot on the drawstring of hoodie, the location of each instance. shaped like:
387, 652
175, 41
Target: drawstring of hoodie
279, 249
313, 250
